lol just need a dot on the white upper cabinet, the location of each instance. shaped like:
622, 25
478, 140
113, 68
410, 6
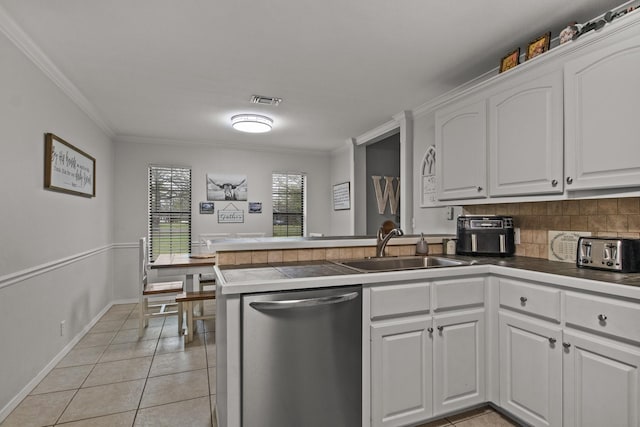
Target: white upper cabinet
461, 146
601, 116
525, 137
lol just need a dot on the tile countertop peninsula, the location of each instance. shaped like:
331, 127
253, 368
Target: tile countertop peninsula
271, 243
234, 279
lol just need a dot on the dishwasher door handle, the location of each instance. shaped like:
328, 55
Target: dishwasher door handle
299, 303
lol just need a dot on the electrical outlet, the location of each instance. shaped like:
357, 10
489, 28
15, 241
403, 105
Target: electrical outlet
449, 213
62, 327
516, 235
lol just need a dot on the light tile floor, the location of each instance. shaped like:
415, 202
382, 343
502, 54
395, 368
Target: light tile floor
481, 417
112, 378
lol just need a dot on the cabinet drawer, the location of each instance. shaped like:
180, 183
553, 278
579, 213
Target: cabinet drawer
402, 299
458, 293
604, 315
530, 299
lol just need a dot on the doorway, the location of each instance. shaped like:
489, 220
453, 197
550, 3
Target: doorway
383, 183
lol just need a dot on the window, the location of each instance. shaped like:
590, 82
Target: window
288, 193
169, 210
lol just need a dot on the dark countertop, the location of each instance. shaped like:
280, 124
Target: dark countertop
306, 269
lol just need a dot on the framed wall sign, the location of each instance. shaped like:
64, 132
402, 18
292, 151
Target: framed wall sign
341, 196
67, 168
230, 214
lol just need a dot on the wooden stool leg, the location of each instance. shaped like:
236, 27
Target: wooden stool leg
180, 315
190, 324
141, 317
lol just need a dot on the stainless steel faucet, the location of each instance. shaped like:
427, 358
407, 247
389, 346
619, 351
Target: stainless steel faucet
383, 239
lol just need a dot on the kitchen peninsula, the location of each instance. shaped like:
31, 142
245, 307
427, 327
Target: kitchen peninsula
473, 326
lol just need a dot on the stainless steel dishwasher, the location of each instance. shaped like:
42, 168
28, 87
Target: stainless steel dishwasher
302, 358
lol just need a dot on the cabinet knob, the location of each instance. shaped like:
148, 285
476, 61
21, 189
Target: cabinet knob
554, 183
523, 300
430, 330
479, 189
602, 317
566, 344
569, 180
552, 340
440, 328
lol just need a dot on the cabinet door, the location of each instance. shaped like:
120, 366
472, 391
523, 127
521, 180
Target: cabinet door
601, 382
601, 117
525, 138
459, 361
461, 166
531, 370
401, 372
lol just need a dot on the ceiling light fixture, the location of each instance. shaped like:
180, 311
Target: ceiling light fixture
252, 123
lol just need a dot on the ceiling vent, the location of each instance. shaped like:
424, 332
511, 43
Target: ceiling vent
265, 100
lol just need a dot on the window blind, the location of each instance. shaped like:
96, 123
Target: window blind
288, 193
169, 210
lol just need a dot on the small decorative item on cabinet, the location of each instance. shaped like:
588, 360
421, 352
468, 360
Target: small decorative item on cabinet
569, 33
538, 46
510, 60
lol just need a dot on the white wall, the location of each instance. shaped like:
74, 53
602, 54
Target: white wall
341, 171
427, 220
56, 261
132, 160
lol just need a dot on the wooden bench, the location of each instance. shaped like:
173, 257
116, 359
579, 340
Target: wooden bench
185, 303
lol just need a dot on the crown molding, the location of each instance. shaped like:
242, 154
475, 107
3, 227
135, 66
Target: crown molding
27, 46
380, 132
558, 54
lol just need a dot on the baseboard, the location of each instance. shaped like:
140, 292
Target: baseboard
13, 403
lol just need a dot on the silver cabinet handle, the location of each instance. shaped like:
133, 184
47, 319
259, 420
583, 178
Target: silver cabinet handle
602, 317
300, 303
569, 180
479, 189
523, 299
566, 344
440, 328
430, 330
554, 183
552, 340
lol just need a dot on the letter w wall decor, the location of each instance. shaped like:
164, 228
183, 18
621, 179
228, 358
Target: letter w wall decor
390, 195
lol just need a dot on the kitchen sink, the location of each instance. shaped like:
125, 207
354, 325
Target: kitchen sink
370, 265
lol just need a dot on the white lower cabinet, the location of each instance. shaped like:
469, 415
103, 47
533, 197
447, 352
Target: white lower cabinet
531, 369
401, 363
458, 349
601, 382
423, 365
566, 358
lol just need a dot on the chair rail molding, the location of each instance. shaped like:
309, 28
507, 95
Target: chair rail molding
22, 275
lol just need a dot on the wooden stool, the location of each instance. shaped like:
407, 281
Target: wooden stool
185, 302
